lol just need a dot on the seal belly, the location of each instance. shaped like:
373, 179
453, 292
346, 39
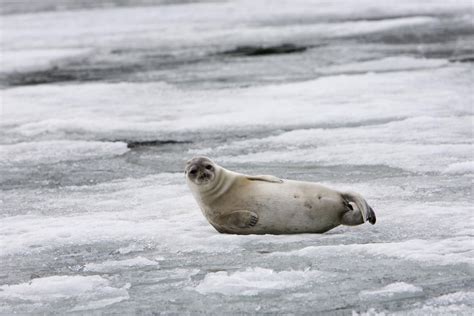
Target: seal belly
293, 207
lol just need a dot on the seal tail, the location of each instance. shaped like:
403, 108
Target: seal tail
366, 211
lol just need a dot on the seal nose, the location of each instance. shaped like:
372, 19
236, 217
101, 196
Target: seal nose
193, 171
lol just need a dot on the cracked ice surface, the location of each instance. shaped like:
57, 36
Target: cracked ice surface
379, 101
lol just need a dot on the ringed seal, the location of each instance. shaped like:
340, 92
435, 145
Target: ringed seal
236, 203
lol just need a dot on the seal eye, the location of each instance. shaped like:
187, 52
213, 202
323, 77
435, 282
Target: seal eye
193, 172
209, 167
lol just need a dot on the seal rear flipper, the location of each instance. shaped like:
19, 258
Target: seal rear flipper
238, 219
371, 218
363, 208
265, 178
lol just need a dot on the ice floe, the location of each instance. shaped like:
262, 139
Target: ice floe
398, 63
330, 101
89, 292
253, 281
465, 167
399, 289
59, 150
430, 252
457, 303
36, 59
114, 265
462, 297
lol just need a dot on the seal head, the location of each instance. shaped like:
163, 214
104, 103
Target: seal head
200, 171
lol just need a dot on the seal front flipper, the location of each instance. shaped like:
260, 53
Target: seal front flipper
238, 219
266, 178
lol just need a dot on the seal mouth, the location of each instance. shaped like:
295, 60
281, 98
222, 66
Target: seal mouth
204, 178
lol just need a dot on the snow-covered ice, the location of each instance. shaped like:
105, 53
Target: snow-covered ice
59, 150
393, 289
87, 292
101, 107
112, 265
255, 280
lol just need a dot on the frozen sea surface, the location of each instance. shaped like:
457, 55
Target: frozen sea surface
102, 104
